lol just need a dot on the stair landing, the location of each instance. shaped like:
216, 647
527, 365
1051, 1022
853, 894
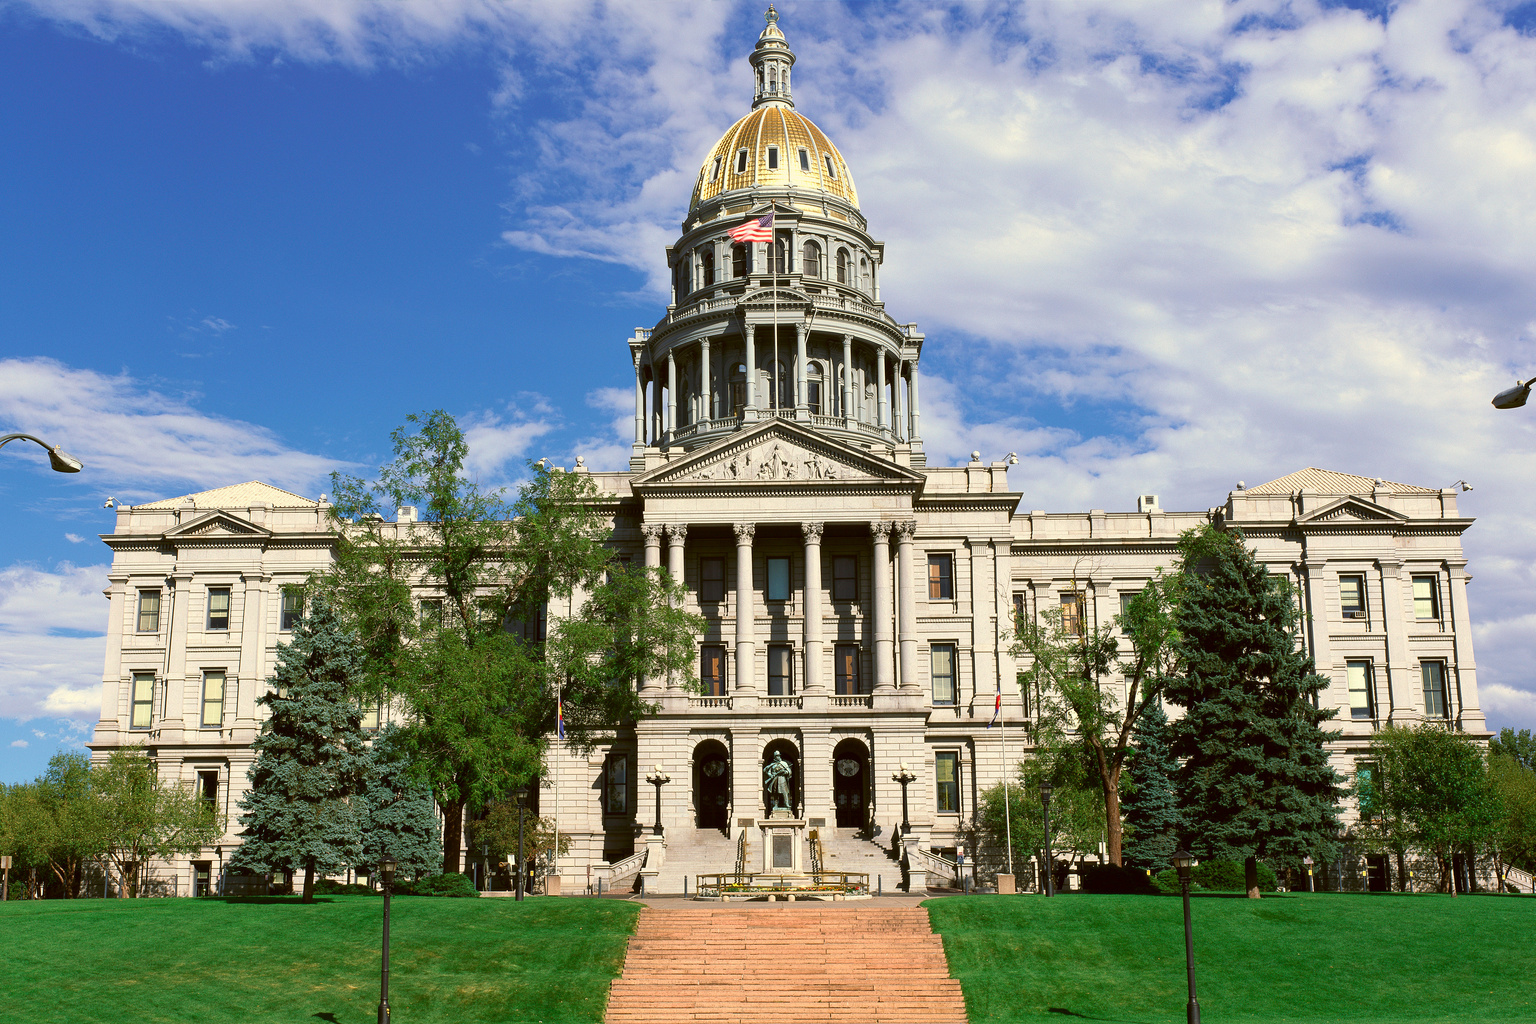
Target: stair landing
788, 964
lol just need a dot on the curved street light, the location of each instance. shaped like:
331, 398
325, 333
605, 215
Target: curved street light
62, 461
1513, 398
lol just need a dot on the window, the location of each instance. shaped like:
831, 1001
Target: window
618, 784
805, 159
149, 611
842, 266
709, 267
1426, 601
831, 171
528, 624
1367, 790
942, 669
741, 162
1352, 596
781, 670
813, 395
712, 579
1361, 704
712, 670
845, 670
741, 260
208, 789
1072, 614
293, 608
778, 579
431, 613
1126, 599
143, 700
946, 778
780, 257
371, 716
714, 172
1435, 704
845, 578
773, 158
1018, 612
1023, 681
218, 607
810, 259
941, 578
213, 700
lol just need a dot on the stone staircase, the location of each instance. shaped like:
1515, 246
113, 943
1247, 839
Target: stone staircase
786, 963
692, 852
844, 850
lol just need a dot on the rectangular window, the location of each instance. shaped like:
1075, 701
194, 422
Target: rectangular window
831, 171
1018, 612
781, 670
712, 580
805, 160
778, 579
431, 613
813, 396
714, 173
773, 158
371, 717
1023, 682
149, 611
618, 784
1352, 596
845, 670
946, 778
845, 578
213, 700
1126, 597
208, 789
1435, 704
942, 669
1072, 614
712, 670
293, 607
941, 578
529, 625
1366, 790
218, 607
1426, 597
741, 161
143, 700
1361, 700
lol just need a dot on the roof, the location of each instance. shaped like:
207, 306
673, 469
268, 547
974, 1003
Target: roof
252, 492
788, 131
1326, 481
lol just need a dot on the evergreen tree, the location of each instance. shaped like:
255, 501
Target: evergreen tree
1151, 804
311, 757
398, 818
1254, 780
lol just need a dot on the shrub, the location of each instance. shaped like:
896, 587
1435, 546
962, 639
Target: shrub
326, 887
1112, 878
1227, 876
437, 885
1167, 882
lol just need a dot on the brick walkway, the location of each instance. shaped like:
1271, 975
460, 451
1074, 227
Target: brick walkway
785, 963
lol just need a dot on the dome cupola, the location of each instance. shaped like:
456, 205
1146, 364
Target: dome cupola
771, 62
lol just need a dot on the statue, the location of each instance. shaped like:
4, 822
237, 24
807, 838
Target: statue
776, 775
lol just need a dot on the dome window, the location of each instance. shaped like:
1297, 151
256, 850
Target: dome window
831, 171
842, 266
741, 162
714, 173
709, 267
773, 158
810, 257
805, 159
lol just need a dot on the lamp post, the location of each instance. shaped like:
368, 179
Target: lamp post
61, 461
387, 873
1307, 860
520, 795
658, 778
1183, 862
1513, 398
904, 776
1050, 864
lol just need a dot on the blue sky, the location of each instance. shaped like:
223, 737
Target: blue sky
1155, 247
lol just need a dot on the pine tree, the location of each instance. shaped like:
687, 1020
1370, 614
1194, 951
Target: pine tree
311, 757
397, 815
1151, 805
1255, 780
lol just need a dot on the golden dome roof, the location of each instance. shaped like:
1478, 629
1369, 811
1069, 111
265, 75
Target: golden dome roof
801, 155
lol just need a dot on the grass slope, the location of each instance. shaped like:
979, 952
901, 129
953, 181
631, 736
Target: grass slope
1295, 958
451, 960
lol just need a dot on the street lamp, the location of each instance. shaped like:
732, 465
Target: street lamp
904, 776
1307, 860
1050, 875
520, 795
387, 874
1513, 398
63, 462
1183, 861
658, 778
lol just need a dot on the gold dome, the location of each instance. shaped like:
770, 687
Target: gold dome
788, 134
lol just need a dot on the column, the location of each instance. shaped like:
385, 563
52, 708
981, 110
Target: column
677, 534
880, 574
899, 421
1462, 683
706, 385
914, 433
812, 609
639, 402
746, 624
883, 411
848, 378
802, 407
671, 396
747, 333
652, 534
658, 424
906, 606
250, 676
168, 717
1317, 629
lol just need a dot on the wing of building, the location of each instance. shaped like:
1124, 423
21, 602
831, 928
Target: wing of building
856, 597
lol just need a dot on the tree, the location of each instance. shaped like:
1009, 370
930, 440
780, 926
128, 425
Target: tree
1067, 664
1514, 786
1077, 806
477, 677
1254, 780
498, 832
395, 810
70, 818
145, 818
1521, 747
310, 757
23, 834
1151, 804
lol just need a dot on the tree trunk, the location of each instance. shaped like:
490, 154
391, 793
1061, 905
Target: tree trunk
1251, 876
309, 882
1447, 872
1114, 831
453, 824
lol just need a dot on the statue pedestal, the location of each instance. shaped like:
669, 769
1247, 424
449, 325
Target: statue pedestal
783, 840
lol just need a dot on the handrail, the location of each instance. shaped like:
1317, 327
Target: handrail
761, 884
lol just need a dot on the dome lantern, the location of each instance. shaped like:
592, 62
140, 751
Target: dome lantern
771, 61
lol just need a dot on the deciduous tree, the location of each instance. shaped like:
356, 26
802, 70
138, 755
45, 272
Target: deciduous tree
146, 818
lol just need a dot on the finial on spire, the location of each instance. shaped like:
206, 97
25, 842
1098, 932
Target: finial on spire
771, 62
772, 15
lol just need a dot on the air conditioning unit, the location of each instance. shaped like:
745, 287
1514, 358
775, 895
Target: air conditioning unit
1355, 613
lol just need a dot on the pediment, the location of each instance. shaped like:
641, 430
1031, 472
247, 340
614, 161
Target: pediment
776, 453
1353, 510
217, 524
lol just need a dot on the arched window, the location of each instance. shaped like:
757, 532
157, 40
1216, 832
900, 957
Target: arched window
814, 376
709, 267
781, 255
863, 273
738, 384
842, 266
741, 259
810, 259
781, 391
685, 407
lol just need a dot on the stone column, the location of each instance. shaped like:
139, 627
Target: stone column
168, 718
915, 432
652, 534
882, 410
252, 643
1317, 628
639, 401
1461, 682
812, 609
677, 534
880, 574
1404, 692
671, 396
899, 402
751, 344
848, 378
802, 401
746, 622
906, 605
706, 385
658, 422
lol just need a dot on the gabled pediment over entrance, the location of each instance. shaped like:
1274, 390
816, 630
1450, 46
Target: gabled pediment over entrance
217, 525
775, 453
1353, 510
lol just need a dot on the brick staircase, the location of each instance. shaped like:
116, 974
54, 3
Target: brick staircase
788, 964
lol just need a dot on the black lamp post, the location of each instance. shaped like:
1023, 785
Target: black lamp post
1050, 861
904, 776
387, 874
658, 778
1183, 862
521, 796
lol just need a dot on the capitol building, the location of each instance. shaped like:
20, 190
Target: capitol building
856, 598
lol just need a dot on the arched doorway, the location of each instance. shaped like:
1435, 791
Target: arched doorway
711, 785
850, 783
791, 754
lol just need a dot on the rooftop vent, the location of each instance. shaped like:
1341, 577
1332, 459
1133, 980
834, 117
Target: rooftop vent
1146, 502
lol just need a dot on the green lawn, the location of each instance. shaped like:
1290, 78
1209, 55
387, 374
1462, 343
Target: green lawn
1377, 958
181, 960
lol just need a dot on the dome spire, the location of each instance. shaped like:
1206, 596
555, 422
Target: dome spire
771, 61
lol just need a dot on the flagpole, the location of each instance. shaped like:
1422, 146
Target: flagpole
773, 257
1007, 813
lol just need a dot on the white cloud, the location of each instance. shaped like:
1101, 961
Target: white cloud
498, 440
74, 538
18, 743
51, 644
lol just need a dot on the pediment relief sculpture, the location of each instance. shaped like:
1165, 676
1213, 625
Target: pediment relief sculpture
775, 459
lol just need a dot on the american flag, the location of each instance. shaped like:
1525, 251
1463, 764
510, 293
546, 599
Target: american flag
759, 230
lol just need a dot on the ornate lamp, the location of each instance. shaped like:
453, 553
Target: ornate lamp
1183, 861
658, 778
904, 776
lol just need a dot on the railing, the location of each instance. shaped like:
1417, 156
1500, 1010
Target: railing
619, 869
783, 702
853, 702
934, 864
710, 702
741, 856
1519, 879
825, 885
